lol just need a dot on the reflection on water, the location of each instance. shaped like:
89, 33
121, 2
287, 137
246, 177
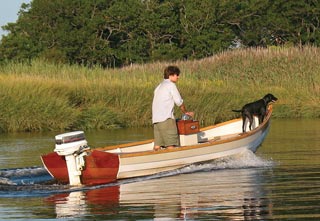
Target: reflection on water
79, 203
235, 194
222, 194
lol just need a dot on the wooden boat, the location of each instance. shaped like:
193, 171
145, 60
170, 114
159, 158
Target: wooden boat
75, 163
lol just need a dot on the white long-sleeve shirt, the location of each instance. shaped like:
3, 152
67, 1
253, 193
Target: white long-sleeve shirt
166, 95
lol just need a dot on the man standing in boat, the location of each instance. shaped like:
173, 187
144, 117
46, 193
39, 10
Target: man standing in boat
166, 95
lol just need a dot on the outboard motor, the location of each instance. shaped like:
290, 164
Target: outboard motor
72, 146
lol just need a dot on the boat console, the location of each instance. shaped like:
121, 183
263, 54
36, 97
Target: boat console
187, 130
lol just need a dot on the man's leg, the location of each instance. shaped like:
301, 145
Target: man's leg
158, 141
171, 138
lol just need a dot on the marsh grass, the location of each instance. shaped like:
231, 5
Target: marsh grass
43, 96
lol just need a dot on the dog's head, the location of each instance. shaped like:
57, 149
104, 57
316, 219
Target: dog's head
269, 98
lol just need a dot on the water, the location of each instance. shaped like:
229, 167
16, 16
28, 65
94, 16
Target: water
280, 182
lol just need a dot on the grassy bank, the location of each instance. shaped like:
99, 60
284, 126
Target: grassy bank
42, 96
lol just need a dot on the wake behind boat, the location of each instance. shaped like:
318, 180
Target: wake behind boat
75, 163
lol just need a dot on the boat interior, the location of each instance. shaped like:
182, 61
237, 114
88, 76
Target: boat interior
216, 133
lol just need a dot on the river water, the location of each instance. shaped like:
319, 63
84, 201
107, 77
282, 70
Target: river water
280, 182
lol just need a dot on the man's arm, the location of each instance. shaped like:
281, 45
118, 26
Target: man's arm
184, 110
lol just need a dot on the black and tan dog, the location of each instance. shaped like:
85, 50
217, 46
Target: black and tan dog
257, 108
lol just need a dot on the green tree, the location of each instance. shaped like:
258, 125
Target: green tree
296, 22
205, 29
272, 22
121, 32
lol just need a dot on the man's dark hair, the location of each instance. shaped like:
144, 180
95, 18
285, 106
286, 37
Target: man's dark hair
171, 70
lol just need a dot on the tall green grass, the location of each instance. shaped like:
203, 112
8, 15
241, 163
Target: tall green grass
43, 96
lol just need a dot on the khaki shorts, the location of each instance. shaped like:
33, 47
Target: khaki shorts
166, 133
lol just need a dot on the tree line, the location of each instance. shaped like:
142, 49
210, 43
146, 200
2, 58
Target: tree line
115, 33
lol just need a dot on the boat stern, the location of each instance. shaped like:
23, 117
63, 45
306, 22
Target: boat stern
73, 162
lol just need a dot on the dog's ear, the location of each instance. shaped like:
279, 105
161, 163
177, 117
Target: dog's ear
267, 96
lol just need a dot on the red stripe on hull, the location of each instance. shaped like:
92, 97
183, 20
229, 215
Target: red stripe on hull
100, 167
57, 166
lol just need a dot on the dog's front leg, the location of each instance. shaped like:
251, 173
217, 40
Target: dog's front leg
250, 121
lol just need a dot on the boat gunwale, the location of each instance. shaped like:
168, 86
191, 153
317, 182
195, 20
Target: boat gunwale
211, 142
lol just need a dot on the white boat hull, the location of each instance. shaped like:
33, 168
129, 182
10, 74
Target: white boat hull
108, 164
182, 156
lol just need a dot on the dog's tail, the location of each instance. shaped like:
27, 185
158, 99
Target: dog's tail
237, 110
